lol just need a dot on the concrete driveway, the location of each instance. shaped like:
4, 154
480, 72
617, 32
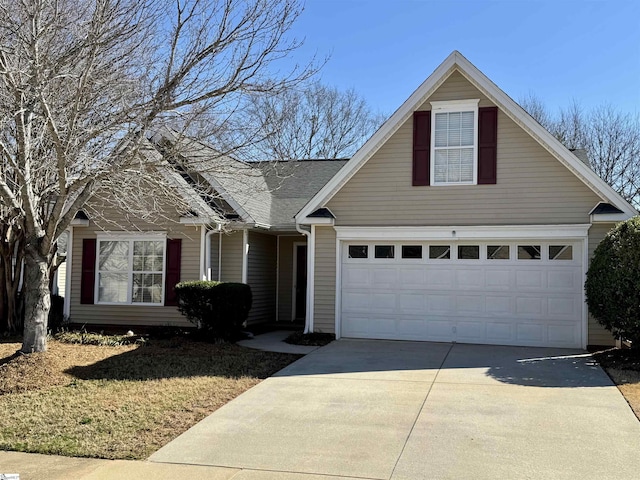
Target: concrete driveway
405, 410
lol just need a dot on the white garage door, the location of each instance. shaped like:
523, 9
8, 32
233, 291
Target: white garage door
494, 292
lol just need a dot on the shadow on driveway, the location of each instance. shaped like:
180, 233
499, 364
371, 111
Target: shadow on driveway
452, 363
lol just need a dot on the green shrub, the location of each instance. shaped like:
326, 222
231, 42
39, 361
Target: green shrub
613, 282
316, 339
218, 309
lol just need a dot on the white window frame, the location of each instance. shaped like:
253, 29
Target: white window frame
454, 106
149, 237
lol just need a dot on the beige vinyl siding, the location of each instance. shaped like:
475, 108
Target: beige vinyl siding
325, 280
532, 186
231, 257
61, 278
598, 335
131, 315
286, 274
261, 276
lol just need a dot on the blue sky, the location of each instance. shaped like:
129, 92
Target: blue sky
559, 50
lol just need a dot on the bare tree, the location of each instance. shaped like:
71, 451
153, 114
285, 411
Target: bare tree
611, 138
83, 83
315, 121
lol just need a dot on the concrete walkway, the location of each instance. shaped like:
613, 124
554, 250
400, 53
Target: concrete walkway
274, 342
403, 410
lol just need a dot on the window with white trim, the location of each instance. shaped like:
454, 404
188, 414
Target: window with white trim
131, 270
454, 152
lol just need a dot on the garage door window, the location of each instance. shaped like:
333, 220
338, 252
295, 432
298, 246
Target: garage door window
498, 252
529, 252
560, 252
384, 251
468, 252
439, 252
412, 251
358, 251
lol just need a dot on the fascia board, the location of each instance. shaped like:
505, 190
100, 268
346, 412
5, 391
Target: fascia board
316, 221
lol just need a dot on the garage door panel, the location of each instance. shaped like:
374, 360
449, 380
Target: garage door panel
498, 279
440, 303
384, 302
562, 306
384, 277
527, 306
559, 335
357, 276
530, 279
565, 280
356, 301
412, 328
439, 329
413, 277
356, 325
504, 301
474, 332
412, 303
499, 332
440, 277
474, 304
469, 278
530, 333
499, 305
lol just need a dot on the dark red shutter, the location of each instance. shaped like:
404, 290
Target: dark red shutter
487, 145
421, 148
172, 275
88, 283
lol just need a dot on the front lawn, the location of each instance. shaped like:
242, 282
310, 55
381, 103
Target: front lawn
119, 401
623, 366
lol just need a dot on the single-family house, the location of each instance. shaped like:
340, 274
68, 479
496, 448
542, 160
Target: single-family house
460, 220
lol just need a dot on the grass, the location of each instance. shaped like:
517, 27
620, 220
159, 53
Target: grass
623, 366
122, 401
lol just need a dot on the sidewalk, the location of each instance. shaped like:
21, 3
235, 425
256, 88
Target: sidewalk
33, 466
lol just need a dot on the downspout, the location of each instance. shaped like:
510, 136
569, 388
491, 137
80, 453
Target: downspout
308, 320
203, 269
245, 254
220, 254
207, 249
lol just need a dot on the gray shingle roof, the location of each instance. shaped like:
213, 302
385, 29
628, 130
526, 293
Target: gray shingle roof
293, 183
268, 194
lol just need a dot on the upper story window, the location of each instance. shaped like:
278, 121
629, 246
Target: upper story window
454, 131
131, 270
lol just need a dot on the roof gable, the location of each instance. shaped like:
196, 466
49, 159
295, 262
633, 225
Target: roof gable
456, 62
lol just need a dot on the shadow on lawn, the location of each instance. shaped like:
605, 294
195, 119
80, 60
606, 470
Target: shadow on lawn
153, 363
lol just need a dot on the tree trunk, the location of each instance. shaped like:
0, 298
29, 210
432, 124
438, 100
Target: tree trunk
37, 301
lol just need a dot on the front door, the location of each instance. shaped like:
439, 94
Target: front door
301, 282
